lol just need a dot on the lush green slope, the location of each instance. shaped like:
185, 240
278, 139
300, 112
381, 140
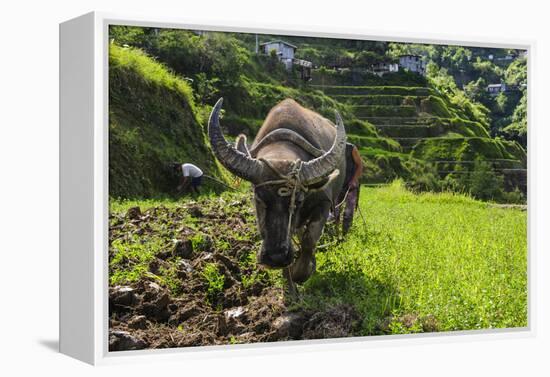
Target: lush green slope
434, 125
153, 121
473, 69
405, 125
223, 65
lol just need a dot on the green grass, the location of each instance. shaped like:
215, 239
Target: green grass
122, 205
131, 259
374, 142
419, 262
427, 262
378, 99
151, 71
363, 111
214, 280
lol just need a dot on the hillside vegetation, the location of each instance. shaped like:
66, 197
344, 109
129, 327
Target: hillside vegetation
472, 69
153, 121
425, 130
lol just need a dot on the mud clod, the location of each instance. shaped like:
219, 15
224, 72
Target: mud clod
337, 322
289, 325
195, 211
183, 314
123, 340
122, 298
133, 213
155, 304
138, 322
183, 248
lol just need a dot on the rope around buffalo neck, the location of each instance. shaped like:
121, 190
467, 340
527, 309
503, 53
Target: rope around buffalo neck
291, 182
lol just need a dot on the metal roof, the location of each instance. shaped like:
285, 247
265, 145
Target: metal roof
278, 41
413, 55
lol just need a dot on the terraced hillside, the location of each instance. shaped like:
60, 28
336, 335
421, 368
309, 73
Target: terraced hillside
429, 128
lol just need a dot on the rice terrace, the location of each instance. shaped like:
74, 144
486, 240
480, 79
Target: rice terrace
437, 241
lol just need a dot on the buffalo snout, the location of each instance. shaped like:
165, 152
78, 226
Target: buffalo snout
279, 258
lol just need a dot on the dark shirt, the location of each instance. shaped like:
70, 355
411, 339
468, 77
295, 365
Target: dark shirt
350, 164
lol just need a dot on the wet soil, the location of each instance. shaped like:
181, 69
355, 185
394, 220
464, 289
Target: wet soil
251, 306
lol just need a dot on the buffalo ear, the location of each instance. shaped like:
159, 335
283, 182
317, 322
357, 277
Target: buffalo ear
325, 182
240, 144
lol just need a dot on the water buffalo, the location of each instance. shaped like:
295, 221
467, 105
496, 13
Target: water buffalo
294, 165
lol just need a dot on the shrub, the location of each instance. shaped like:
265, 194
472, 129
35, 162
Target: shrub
436, 106
515, 196
422, 177
484, 183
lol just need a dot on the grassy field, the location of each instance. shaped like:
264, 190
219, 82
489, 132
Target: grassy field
412, 262
428, 262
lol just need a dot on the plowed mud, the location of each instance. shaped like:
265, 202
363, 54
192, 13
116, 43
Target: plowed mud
247, 305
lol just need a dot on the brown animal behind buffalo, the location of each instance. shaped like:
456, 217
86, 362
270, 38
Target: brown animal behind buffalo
296, 167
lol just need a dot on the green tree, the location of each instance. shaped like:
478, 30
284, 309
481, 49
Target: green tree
445, 83
475, 90
366, 59
516, 73
484, 183
488, 70
518, 128
501, 102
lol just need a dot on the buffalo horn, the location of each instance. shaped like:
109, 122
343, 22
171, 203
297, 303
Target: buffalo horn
236, 162
319, 168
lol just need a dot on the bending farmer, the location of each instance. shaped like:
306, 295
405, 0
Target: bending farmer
350, 191
191, 177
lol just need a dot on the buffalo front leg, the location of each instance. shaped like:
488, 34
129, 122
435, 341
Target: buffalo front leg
292, 289
304, 266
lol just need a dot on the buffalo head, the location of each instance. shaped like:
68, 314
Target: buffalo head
280, 187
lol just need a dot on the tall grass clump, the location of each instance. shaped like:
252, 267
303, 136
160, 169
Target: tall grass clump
151, 71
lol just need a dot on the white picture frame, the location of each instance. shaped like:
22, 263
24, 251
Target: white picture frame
84, 192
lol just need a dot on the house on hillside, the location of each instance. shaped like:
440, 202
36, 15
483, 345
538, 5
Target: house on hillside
506, 58
495, 89
413, 63
285, 52
382, 68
